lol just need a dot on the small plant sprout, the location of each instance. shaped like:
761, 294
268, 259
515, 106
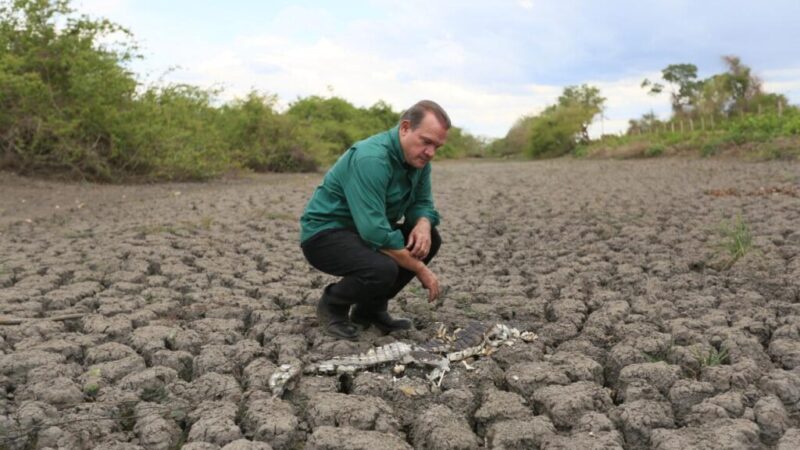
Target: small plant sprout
713, 357
156, 394
91, 390
736, 240
206, 222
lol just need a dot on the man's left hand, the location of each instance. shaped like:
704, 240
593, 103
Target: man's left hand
419, 240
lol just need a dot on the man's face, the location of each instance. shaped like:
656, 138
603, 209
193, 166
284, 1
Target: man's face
419, 146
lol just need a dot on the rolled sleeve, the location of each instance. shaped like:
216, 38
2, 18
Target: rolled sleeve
365, 192
423, 203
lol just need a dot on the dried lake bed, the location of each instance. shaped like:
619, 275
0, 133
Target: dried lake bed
184, 298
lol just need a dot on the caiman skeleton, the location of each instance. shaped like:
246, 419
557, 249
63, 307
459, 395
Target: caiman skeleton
474, 339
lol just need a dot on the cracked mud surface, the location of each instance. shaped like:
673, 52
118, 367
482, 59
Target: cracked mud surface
193, 294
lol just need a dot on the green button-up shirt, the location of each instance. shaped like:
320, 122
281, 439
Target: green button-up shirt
369, 189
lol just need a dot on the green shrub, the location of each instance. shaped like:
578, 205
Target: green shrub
791, 126
555, 131
580, 151
62, 92
461, 144
654, 150
170, 134
260, 139
671, 139
709, 148
332, 125
515, 141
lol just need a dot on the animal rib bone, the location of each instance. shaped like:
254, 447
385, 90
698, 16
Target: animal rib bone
473, 340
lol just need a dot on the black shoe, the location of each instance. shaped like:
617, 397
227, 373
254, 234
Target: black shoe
333, 320
381, 319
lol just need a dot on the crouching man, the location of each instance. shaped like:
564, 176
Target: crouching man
350, 225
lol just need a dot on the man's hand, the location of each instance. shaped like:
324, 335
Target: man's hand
405, 260
419, 240
430, 282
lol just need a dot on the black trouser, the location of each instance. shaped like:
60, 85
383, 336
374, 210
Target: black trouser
369, 278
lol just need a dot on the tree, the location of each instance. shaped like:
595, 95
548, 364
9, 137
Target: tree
714, 96
557, 130
587, 102
515, 141
735, 91
742, 86
683, 77
655, 88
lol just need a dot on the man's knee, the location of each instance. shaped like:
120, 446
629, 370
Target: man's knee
384, 272
436, 242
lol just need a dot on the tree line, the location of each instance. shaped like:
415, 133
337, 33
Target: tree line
69, 105
726, 109
730, 94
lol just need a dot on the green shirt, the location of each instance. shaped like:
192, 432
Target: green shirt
369, 189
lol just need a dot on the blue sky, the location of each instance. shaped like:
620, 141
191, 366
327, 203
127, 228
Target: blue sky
487, 63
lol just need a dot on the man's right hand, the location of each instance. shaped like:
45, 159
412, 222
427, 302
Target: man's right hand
430, 282
405, 260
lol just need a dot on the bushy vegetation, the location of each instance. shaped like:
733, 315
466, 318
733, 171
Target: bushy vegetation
69, 105
559, 130
735, 91
725, 112
62, 93
764, 136
335, 124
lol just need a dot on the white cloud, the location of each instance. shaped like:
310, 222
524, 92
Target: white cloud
289, 68
292, 68
783, 81
525, 4
782, 74
783, 87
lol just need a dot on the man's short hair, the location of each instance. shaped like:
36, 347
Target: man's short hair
416, 113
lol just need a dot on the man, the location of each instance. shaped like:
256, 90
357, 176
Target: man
350, 226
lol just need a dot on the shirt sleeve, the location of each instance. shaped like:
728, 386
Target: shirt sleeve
365, 191
423, 201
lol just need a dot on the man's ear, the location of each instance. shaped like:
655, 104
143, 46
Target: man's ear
405, 126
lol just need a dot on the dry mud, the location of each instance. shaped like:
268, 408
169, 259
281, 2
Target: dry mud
192, 294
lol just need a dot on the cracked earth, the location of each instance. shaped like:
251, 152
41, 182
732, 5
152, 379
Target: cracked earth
183, 299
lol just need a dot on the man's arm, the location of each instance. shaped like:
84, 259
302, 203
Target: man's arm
365, 192
406, 260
